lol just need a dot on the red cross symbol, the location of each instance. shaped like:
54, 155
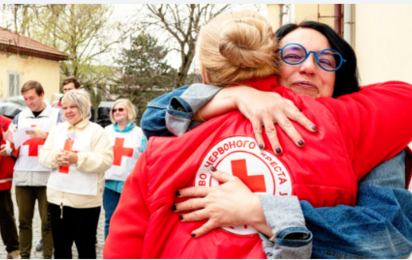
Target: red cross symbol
255, 183
34, 144
68, 146
119, 151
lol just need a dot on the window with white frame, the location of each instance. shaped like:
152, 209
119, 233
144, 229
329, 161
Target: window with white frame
14, 84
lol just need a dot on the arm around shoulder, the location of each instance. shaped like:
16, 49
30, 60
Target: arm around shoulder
374, 122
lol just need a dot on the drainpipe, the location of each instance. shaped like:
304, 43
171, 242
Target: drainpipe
347, 23
338, 13
280, 15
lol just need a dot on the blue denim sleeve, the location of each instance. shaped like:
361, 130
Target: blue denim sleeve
153, 122
172, 113
379, 226
285, 218
192, 100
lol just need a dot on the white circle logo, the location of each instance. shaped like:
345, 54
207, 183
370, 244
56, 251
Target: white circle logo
240, 156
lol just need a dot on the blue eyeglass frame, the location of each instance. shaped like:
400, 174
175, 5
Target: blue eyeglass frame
342, 60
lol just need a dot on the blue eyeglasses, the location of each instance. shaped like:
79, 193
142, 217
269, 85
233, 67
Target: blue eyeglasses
327, 59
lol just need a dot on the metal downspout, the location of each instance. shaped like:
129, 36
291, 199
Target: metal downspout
347, 23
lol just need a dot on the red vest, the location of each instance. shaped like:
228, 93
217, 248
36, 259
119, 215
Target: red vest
325, 172
6, 163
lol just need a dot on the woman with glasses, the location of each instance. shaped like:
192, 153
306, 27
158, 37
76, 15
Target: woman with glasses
128, 141
191, 150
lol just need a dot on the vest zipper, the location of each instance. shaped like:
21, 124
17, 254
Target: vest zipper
61, 207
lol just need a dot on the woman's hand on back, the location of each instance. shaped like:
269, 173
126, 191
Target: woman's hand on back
262, 109
266, 109
229, 204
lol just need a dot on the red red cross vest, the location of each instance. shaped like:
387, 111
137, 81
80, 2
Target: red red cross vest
6, 163
324, 172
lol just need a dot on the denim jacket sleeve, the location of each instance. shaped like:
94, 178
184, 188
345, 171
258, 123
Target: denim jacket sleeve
285, 218
379, 226
172, 113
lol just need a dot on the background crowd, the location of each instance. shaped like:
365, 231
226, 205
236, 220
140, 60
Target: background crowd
66, 178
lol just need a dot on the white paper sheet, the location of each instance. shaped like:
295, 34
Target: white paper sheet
20, 136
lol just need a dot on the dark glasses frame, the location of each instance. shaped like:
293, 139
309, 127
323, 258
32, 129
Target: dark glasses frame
120, 110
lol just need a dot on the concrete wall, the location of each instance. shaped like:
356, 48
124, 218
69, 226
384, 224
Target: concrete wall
384, 42
45, 71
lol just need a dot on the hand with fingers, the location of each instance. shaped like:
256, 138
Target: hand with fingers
266, 109
37, 133
62, 158
230, 204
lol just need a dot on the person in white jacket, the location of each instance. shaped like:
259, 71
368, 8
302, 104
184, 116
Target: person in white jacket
78, 152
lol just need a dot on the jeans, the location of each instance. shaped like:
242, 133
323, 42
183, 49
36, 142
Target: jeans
110, 201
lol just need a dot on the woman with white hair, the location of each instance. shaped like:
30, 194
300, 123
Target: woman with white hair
78, 152
128, 141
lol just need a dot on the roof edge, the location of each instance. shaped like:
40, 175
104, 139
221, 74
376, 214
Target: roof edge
31, 52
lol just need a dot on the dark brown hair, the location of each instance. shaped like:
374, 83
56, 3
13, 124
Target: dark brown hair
32, 84
71, 79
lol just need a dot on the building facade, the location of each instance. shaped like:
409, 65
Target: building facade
23, 59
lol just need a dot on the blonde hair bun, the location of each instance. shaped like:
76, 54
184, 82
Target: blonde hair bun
237, 46
247, 42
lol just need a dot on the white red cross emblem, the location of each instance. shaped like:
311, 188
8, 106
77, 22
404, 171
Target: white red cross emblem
260, 170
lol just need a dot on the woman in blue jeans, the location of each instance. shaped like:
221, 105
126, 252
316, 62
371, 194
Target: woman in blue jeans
380, 226
128, 143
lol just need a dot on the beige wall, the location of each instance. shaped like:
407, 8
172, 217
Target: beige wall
273, 16
309, 12
384, 42
45, 71
304, 12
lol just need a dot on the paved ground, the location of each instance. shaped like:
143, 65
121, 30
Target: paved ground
37, 234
